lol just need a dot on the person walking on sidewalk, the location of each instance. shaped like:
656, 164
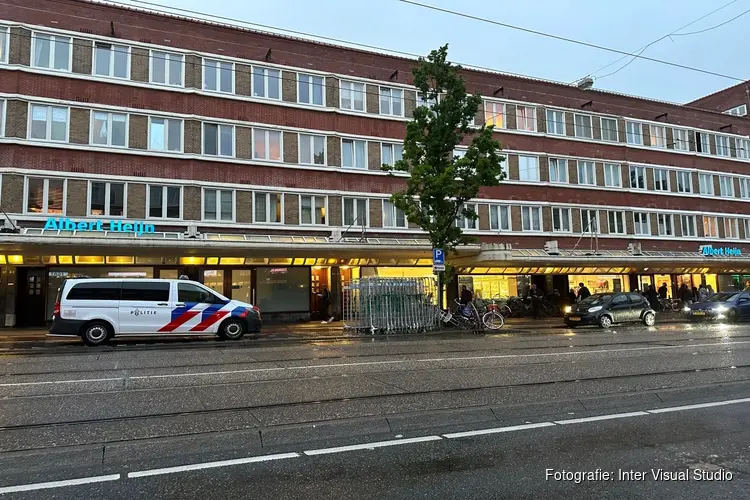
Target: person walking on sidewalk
686, 295
663, 291
583, 292
653, 297
535, 294
325, 303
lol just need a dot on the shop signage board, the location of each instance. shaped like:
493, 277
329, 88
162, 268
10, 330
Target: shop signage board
115, 225
438, 259
709, 250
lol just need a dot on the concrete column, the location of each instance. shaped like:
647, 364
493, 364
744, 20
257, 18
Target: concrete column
336, 293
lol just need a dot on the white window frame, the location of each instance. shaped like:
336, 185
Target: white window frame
3, 108
4, 44
586, 167
740, 110
107, 199
664, 186
538, 211
703, 140
585, 229
713, 221
723, 147
665, 221
311, 88
497, 209
468, 224
742, 148
562, 121
110, 119
631, 137
531, 110
354, 166
312, 149
561, 165
723, 180
731, 225
49, 120
391, 95
745, 187
702, 185
267, 139
355, 206
388, 205
218, 218
45, 194
267, 80
642, 169
559, 218
684, 174
392, 146
621, 217
167, 125
218, 80
615, 168
493, 110
165, 190
526, 159
692, 226
167, 72
579, 129
680, 139
313, 198
658, 136
267, 198
36, 35
602, 128
746, 222
349, 86
219, 127
111, 70
638, 225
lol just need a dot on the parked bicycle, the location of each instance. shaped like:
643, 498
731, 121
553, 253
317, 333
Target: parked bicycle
673, 305
476, 316
489, 311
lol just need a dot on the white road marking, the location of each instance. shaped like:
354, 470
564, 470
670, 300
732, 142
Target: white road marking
611, 416
700, 405
371, 446
375, 363
59, 484
212, 465
496, 430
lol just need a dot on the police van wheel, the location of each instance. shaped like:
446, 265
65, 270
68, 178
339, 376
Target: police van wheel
232, 329
96, 333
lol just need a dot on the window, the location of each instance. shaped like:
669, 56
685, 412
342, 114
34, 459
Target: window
710, 226
612, 175
658, 136
111, 60
526, 118
312, 149
465, 222
742, 146
561, 220
583, 126
500, 217
313, 210
633, 133
50, 51
107, 199
164, 202
609, 129
745, 187
49, 123
586, 173
589, 222
641, 223
666, 224
353, 154
661, 179
218, 140
722, 145
706, 184
146, 291
747, 228
96, 291
616, 222
684, 182
528, 168
266, 82
687, 222
680, 138
494, 114
267, 208
353, 96
218, 76
266, 144
702, 143
2, 117
555, 122
428, 102
355, 212
109, 129
45, 196
558, 170
391, 101
731, 228
638, 177
188, 293
531, 218
165, 134
726, 186
392, 216
166, 68
218, 204
4, 44
310, 89
391, 153
740, 110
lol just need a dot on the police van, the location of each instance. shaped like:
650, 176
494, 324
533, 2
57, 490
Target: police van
98, 309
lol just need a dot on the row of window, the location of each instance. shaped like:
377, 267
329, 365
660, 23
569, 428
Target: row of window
166, 68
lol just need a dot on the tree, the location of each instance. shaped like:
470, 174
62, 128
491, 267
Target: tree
440, 183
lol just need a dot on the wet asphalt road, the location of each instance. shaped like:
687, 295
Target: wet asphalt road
99, 415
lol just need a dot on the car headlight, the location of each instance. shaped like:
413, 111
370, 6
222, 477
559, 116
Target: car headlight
721, 309
595, 309
686, 309
568, 309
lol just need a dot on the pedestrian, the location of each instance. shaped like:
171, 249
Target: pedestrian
663, 291
710, 290
325, 303
571, 297
535, 294
702, 293
695, 294
583, 292
653, 297
465, 299
686, 296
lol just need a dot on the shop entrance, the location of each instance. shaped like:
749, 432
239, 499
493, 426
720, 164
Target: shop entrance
319, 279
31, 297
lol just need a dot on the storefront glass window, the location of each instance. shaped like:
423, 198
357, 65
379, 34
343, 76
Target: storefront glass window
283, 289
495, 286
733, 282
241, 285
604, 283
214, 279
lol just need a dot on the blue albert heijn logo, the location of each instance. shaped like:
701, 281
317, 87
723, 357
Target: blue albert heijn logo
709, 250
438, 257
115, 226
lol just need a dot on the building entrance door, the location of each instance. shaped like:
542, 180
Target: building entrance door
31, 297
319, 279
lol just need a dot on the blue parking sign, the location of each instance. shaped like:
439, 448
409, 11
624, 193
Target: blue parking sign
438, 257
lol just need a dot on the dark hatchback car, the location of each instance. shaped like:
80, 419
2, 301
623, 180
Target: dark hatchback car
729, 306
604, 309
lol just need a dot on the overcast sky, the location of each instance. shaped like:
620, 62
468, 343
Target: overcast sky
626, 26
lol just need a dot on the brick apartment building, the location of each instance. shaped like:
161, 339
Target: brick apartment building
253, 160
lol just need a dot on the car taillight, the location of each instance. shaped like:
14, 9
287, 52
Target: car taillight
255, 308
56, 310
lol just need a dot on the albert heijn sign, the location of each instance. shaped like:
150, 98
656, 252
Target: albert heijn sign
710, 251
114, 225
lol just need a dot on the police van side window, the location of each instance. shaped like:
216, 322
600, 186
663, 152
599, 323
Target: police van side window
191, 293
94, 291
145, 291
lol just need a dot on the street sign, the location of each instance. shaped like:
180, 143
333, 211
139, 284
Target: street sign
438, 259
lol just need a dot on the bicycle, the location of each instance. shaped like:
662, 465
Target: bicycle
489, 310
